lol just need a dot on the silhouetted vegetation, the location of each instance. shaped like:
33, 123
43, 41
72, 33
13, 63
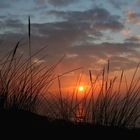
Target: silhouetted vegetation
108, 107
22, 85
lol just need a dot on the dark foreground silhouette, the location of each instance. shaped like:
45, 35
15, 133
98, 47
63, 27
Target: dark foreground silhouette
27, 123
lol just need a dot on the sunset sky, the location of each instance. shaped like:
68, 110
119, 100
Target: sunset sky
87, 32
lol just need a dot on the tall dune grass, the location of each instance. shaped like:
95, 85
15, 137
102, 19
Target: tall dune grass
114, 108
109, 107
18, 89
20, 82
22, 85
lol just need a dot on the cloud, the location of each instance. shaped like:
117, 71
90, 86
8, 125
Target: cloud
105, 49
61, 2
14, 25
7, 3
136, 2
77, 28
126, 32
71, 37
118, 53
55, 2
40, 2
37, 61
81, 55
4, 4
119, 63
96, 18
133, 39
118, 3
133, 17
69, 32
72, 55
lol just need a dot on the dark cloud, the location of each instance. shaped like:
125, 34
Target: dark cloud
65, 33
118, 3
40, 2
133, 39
56, 2
13, 23
4, 4
71, 37
137, 2
7, 3
119, 63
117, 53
85, 54
105, 49
61, 2
96, 18
2, 17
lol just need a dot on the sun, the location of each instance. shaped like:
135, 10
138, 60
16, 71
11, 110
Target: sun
81, 88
